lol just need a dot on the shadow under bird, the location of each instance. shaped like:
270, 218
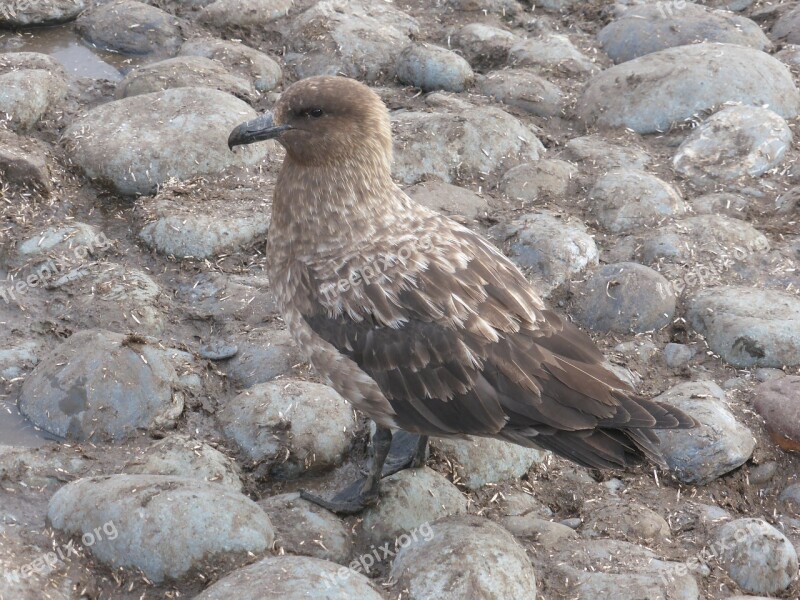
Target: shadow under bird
419, 322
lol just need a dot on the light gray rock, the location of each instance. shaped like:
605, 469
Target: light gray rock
736, 142
551, 52
628, 521
758, 557
48, 467
749, 326
29, 95
165, 526
298, 426
17, 358
304, 528
778, 403
100, 386
261, 70
677, 355
544, 533
449, 146
543, 179
466, 557
787, 27
292, 578
594, 152
430, 68
24, 164
479, 461
721, 203
263, 355
18, 61
215, 296
248, 14
791, 498
70, 243
650, 93
183, 71
518, 504
628, 199
524, 90
24, 13
484, 46
448, 199
137, 144
132, 27
29, 569
624, 297
716, 446
183, 456
410, 501
550, 248
645, 29
789, 55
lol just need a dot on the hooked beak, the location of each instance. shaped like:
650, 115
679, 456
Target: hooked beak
257, 130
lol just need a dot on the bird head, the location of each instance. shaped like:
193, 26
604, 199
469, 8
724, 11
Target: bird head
323, 121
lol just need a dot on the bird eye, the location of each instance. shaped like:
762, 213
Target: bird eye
315, 112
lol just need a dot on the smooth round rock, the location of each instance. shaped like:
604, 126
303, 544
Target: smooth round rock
24, 163
653, 92
29, 95
791, 498
677, 355
551, 52
625, 297
430, 67
716, 446
466, 557
749, 326
262, 71
596, 153
292, 578
778, 403
24, 13
263, 355
243, 13
484, 46
629, 521
543, 179
758, 557
137, 144
97, 386
787, 27
524, 90
300, 425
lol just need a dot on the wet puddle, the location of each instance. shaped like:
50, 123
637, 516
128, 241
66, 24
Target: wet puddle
16, 430
63, 43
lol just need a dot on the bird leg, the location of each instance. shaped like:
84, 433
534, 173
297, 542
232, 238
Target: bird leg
388, 455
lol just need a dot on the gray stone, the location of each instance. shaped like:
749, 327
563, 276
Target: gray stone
246, 298
790, 55
137, 144
410, 501
721, 203
100, 386
30, 95
292, 578
15, 359
553, 53
787, 27
19, 61
625, 297
24, 13
449, 146
716, 446
449, 199
48, 467
544, 533
21, 580
466, 557
653, 92
24, 164
543, 179
479, 461
628, 521
165, 526
628, 199
758, 557
551, 249
183, 456
524, 90
304, 528
248, 14
645, 29
518, 504
72, 242
791, 498
736, 142
132, 27
297, 426
183, 71
592, 151
677, 355
763, 473
263, 72
749, 326
430, 68
263, 355
778, 403
766, 374
484, 46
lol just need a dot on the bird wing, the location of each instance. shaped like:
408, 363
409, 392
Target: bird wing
459, 343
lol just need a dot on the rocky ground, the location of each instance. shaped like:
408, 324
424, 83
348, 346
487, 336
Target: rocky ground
635, 159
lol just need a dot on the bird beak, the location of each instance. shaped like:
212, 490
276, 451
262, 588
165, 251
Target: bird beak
259, 129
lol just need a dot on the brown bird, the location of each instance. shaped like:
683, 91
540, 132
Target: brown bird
419, 322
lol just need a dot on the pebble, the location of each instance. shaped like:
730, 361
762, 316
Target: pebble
545, 179
181, 72
628, 521
655, 91
778, 403
623, 298
451, 200
678, 355
768, 374
524, 90
757, 556
263, 355
627, 199
183, 456
24, 13
108, 26
431, 68
480, 461
736, 142
748, 326
410, 501
136, 144
290, 578
304, 528
718, 445
295, 426
645, 29
484, 46
101, 386
467, 557
29, 95
263, 72
550, 248
166, 526
763, 473
640, 349
552, 53
223, 14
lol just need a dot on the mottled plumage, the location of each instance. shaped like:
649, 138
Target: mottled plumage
419, 322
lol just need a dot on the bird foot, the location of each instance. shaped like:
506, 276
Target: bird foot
408, 450
350, 501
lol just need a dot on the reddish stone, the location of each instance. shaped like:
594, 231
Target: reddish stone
778, 402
